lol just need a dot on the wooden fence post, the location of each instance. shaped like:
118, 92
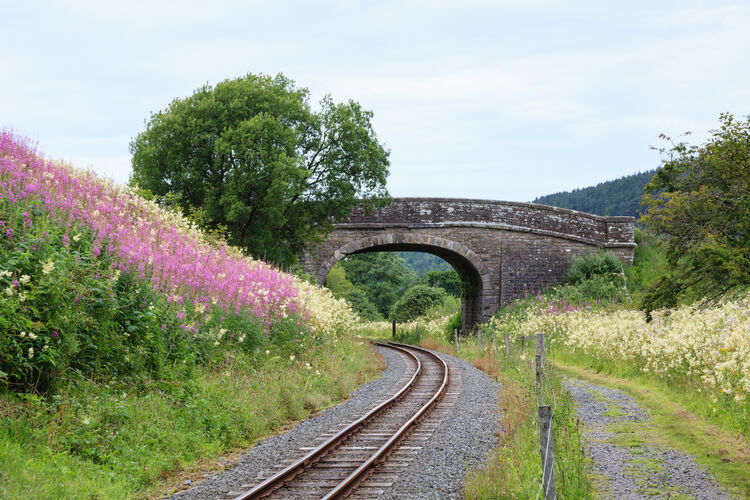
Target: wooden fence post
538, 369
548, 454
394, 330
523, 342
479, 340
455, 337
540, 346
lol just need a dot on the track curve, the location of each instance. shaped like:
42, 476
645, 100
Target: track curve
335, 468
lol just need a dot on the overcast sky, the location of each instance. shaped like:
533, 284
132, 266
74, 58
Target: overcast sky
493, 100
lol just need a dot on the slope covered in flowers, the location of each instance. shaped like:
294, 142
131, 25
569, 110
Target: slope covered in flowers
87, 263
708, 345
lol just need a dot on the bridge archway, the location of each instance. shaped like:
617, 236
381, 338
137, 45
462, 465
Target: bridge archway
474, 273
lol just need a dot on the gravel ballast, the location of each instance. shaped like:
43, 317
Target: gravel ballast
629, 463
466, 424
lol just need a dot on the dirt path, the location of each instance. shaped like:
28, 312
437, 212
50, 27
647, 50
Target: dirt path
628, 460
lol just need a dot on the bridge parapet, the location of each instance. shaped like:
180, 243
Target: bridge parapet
609, 232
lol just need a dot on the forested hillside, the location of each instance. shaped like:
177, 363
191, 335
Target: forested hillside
617, 197
422, 263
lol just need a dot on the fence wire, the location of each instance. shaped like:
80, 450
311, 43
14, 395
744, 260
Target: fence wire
547, 382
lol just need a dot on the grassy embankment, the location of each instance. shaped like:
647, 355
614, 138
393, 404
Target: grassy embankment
111, 440
690, 367
135, 350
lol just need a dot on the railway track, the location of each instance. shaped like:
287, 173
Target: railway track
346, 457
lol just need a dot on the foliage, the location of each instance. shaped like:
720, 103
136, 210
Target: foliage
360, 304
121, 440
423, 262
336, 280
416, 302
710, 347
617, 197
649, 264
255, 158
699, 200
97, 280
447, 280
384, 276
595, 264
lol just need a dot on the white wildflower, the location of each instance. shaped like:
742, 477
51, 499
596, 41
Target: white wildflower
48, 266
24, 279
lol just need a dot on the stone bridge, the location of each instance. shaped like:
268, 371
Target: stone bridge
499, 248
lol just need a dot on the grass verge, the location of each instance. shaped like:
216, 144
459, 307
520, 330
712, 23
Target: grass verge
514, 468
124, 441
723, 451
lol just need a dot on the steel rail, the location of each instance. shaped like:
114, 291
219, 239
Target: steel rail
353, 480
288, 473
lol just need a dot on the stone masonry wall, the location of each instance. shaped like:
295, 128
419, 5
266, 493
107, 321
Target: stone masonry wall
503, 248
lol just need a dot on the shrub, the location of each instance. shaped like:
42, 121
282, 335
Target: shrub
447, 280
595, 264
361, 304
416, 302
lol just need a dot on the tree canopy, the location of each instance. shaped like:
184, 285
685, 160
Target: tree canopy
447, 280
415, 303
384, 276
700, 201
253, 156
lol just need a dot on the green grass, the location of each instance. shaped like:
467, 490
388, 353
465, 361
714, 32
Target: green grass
724, 411
513, 469
649, 264
710, 437
119, 441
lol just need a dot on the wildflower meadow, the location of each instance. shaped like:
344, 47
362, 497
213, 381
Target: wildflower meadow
60, 225
708, 345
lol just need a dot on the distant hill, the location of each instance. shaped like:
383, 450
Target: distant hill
618, 197
422, 263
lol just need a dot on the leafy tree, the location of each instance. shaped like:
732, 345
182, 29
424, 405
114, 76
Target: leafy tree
336, 280
699, 200
361, 304
341, 287
416, 302
447, 280
255, 158
384, 276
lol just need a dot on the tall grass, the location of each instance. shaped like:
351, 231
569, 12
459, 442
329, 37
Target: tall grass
95, 440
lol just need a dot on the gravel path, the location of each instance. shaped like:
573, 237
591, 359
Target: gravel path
629, 462
466, 422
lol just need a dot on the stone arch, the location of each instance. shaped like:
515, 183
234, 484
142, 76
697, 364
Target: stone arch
478, 294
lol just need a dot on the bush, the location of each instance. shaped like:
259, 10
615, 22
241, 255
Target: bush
447, 280
416, 302
595, 264
596, 288
360, 304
